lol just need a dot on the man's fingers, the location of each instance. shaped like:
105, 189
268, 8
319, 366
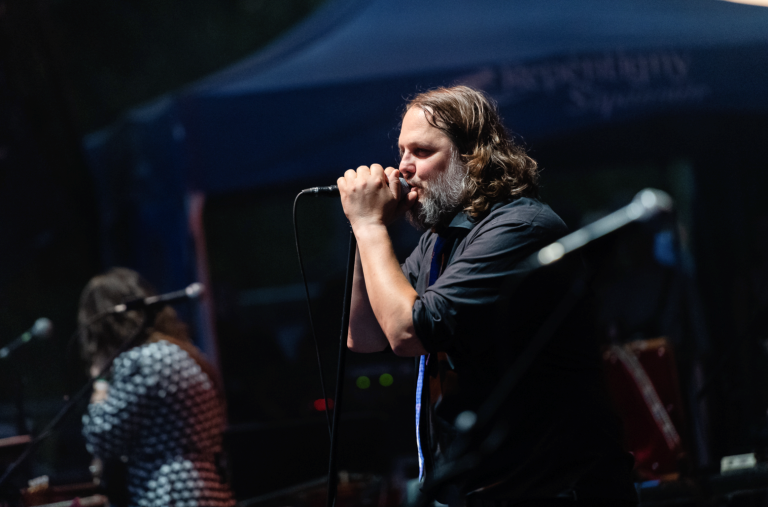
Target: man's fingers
378, 172
390, 172
365, 176
394, 183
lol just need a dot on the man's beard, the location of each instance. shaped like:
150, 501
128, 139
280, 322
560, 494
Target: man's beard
442, 196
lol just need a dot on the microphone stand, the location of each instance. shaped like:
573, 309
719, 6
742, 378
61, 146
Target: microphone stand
67, 408
21, 414
333, 476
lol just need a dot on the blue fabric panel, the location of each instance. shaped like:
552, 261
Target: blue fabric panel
308, 137
357, 41
139, 168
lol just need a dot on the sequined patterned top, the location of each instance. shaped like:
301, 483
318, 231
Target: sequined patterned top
162, 417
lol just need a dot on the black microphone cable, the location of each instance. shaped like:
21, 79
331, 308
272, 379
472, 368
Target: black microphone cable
309, 307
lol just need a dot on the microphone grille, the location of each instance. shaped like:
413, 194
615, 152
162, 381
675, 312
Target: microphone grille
194, 290
42, 328
655, 200
405, 187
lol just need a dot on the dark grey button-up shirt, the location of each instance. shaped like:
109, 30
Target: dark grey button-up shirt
476, 320
483, 256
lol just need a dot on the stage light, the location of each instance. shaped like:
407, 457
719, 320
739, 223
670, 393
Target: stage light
386, 380
320, 405
363, 382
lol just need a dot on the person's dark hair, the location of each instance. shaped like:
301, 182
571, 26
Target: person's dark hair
497, 167
100, 339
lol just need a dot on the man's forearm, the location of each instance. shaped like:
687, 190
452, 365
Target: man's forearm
390, 296
365, 334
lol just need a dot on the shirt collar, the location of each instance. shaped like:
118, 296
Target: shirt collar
462, 220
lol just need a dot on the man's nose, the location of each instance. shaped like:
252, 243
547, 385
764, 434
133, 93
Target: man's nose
407, 168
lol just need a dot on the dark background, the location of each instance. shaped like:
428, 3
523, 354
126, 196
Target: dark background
68, 68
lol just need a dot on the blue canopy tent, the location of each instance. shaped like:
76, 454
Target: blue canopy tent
327, 96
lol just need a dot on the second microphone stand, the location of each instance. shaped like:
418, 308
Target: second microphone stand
73, 400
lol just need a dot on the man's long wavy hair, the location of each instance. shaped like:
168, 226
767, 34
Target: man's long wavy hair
497, 168
102, 336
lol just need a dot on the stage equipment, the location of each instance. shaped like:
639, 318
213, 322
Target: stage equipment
11, 448
41, 494
42, 329
642, 379
481, 434
192, 291
354, 490
646, 204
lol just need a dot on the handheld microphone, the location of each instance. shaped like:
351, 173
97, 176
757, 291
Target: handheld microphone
41, 329
192, 291
333, 190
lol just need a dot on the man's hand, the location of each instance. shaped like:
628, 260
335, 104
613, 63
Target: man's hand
404, 202
382, 298
371, 196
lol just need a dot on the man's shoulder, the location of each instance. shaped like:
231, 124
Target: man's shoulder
527, 211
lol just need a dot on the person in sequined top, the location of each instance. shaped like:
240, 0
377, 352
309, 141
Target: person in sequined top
158, 413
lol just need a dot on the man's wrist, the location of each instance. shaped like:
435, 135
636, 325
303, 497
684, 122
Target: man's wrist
370, 230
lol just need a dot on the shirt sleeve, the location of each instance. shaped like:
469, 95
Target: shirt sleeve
461, 312
110, 426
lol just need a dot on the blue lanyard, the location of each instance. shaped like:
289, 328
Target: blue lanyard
434, 272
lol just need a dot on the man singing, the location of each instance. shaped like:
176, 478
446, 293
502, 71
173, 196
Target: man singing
474, 193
